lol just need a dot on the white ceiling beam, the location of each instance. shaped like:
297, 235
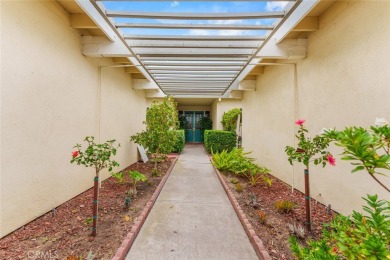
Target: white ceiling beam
94, 14
226, 59
307, 24
226, 45
198, 0
194, 63
160, 79
194, 26
154, 94
143, 84
236, 94
194, 69
283, 28
192, 51
82, 21
193, 38
288, 49
199, 73
194, 16
247, 85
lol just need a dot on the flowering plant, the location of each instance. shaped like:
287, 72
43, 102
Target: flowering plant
310, 150
99, 157
95, 155
369, 148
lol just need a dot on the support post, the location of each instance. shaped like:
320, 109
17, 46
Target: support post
95, 205
307, 200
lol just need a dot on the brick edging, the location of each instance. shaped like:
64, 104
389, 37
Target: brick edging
255, 240
140, 220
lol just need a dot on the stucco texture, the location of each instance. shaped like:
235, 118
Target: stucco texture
343, 81
51, 98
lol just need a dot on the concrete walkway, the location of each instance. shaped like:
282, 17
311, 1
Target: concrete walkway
193, 217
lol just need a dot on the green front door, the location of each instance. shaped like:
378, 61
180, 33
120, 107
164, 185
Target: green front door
193, 131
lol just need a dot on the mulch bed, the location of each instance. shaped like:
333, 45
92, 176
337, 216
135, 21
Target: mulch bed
65, 234
275, 232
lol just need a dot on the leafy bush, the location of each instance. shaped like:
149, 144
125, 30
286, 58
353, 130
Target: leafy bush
369, 149
182, 122
216, 140
284, 206
229, 119
206, 123
180, 141
158, 138
224, 161
352, 237
238, 163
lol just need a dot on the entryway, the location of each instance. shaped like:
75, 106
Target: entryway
193, 131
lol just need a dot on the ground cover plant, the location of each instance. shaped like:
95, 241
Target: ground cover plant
64, 233
238, 163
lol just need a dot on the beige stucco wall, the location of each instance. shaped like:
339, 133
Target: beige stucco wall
220, 107
51, 98
344, 81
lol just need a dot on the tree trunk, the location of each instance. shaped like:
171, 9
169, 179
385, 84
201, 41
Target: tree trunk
95, 203
307, 199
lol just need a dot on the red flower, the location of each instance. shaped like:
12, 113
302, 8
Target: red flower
300, 122
331, 159
75, 154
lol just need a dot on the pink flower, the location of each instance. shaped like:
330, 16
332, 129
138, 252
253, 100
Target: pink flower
331, 159
300, 122
75, 154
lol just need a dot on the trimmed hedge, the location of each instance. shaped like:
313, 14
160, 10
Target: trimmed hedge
181, 141
218, 140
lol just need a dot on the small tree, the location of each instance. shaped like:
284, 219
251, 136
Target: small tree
309, 150
97, 156
229, 119
161, 118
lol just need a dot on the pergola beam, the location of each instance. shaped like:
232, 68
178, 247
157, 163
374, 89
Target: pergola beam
189, 63
82, 21
225, 45
193, 38
194, 26
196, 0
194, 16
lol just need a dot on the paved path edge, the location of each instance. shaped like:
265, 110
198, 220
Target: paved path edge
140, 220
253, 238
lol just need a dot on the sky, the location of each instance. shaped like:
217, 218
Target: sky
195, 7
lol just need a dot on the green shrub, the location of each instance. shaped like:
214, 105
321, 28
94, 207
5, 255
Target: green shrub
206, 123
229, 119
216, 140
180, 141
352, 237
284, 206
237, 162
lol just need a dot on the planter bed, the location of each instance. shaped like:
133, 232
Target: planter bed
274, 233
65, 233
